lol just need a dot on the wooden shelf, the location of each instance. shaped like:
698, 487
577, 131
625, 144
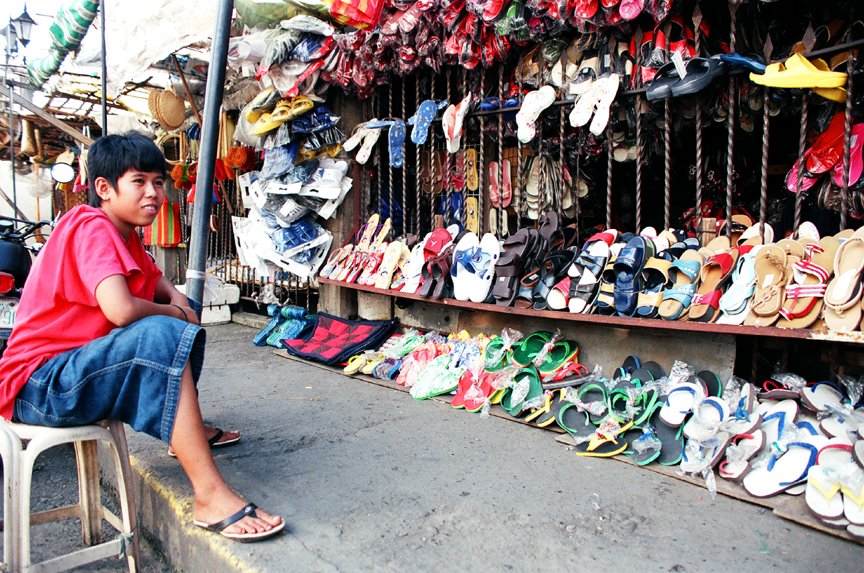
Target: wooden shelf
623, 322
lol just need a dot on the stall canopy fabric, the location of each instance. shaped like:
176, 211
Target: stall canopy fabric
137, 34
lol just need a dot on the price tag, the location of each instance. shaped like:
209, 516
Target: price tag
679, 64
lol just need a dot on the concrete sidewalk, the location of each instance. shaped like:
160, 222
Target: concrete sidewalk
368, 479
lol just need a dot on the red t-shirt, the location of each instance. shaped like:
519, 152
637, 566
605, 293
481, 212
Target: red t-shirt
58, 309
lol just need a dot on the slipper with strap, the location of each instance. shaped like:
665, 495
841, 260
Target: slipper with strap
248, 511
683, 274
785, 471
426, 114
220, 439
804, 294
843, 293
771, 279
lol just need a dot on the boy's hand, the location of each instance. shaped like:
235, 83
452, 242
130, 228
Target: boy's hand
189, 314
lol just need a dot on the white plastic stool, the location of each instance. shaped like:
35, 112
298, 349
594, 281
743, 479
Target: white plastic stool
89, 508
10, 447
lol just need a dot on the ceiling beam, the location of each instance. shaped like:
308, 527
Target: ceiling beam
62, 126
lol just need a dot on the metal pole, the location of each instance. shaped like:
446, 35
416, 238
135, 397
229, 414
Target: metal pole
207, 161
104, 71
11, 116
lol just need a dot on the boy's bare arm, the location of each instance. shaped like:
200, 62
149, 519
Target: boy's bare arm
122, 308
166, 292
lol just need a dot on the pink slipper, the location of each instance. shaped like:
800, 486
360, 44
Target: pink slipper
856, 162
506, 185
494, 185
454, 117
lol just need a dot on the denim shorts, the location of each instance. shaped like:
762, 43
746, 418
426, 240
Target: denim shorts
132, 374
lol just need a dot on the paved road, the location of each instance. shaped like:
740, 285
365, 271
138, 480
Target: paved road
370, 480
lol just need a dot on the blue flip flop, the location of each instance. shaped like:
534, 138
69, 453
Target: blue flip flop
426, 114
396, 140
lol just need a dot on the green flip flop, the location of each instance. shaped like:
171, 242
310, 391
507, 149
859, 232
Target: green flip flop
535, 390
495, 359
560, 354
529, 347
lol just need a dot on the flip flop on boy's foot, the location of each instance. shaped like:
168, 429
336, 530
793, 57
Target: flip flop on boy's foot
220, 439
248, 511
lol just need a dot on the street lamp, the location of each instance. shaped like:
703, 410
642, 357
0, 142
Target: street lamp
18, 30
23, 25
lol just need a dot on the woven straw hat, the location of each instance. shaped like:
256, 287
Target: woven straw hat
167, 108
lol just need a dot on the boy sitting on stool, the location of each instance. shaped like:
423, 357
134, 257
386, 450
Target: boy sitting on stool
101, 334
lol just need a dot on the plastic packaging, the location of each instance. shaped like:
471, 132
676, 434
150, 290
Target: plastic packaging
541, 356
732, 391
647, 442
789, 380
596, 408
854, 387
520, 390
680, 372
510, 337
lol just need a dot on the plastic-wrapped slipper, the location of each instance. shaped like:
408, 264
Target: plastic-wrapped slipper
369, 141
608, 88
452, 122
532, 106
461, 269
483, 268
785, 471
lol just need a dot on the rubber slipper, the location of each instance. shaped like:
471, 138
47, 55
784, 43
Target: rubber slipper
461, 268
605, 445
820, 395
549, 416
529, 347
797, 72
679, 402
588, 267
471, 176
771, 278
575, 422
749, 62
248, 511
744, 448
856, 163
735, 302
588, 68
701, 72
607, 89
513, 404
656, 276
661, 85
421, 120
453, 122
778, 419
843, 294
220, 439
369, 141
786, 470
583, 109
683, 274
628, 275
644, 446
594, 393
671, 438
706, 419
533, 105
483, 268
853, 501
562, 353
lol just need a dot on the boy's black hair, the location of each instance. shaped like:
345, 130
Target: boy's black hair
113, 155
